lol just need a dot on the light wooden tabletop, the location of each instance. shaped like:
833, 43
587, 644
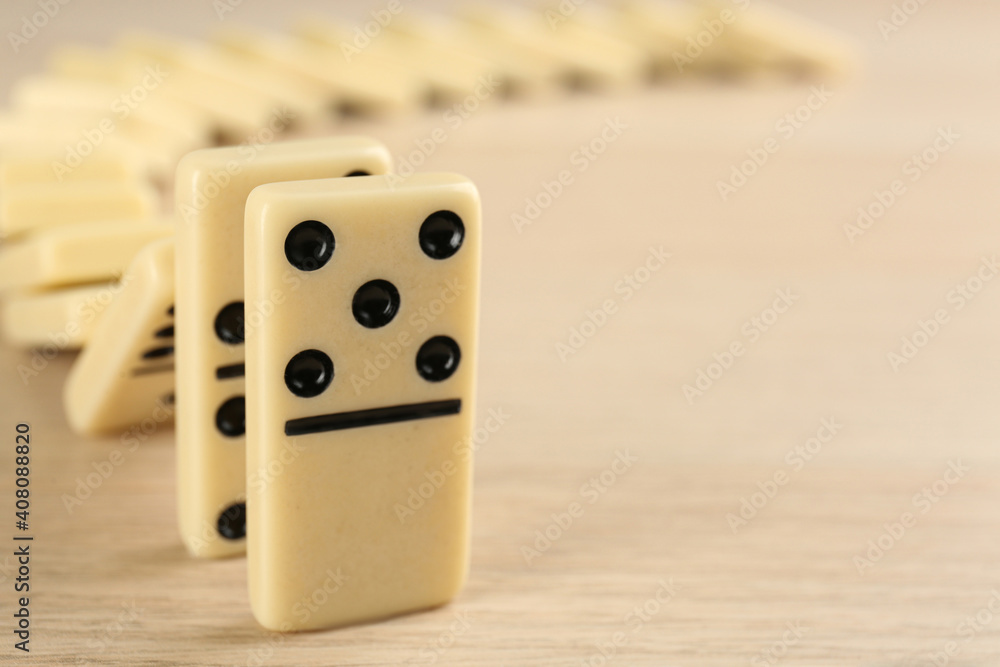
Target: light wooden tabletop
825, 496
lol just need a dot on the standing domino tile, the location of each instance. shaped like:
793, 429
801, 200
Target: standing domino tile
125, 374
212, 187
63, 319
367, 269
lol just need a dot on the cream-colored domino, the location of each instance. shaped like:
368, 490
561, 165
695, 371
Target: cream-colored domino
231, 72
625, 61
47, 128
256, 106
668, 31
449, 79
359, 264
137, 84
358, 85
234, 115
89, 63
20, 165
36, 206
63, 318
125, 375
548, 66
72, 144
580, 64
776, 38
75, 254
212, 187
41, 138
139, 109
520, 75
661, 49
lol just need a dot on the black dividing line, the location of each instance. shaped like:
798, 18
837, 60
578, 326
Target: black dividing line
230, 372
150, 370
374, 417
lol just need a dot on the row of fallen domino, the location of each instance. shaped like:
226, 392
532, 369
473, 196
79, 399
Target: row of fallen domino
79, 158
308, 378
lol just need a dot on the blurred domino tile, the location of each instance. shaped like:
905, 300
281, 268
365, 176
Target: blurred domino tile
88, 147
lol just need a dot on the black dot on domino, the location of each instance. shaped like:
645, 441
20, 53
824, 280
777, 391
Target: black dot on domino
165, 332
438, 358
229, 323
231, 418
158, 352
441, 235
309, 373
375, 304
309, 245
232, 523
358, 172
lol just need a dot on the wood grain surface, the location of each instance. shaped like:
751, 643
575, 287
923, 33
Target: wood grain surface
868, 486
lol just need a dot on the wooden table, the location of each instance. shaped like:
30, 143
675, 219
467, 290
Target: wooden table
814, 501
